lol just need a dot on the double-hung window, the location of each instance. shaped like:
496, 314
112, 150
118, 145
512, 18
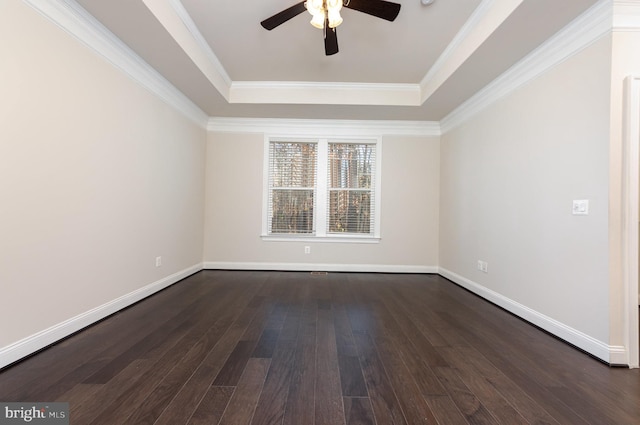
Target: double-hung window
322, 189
292, 187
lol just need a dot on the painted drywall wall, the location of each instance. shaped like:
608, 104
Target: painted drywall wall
98, 177
409, 210
508, 179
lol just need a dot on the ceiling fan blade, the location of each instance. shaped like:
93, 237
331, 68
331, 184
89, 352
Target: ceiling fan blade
330, 39
379, 8
284, 16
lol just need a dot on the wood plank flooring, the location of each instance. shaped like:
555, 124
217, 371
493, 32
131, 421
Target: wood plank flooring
294, 348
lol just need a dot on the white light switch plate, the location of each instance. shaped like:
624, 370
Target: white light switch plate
580, 207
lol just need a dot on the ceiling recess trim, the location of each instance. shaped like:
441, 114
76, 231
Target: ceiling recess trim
626, 15
76, 21
333, 128
176, 21
324, 93
486, 18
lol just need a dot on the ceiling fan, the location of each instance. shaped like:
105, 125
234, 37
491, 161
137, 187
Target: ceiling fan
326, 16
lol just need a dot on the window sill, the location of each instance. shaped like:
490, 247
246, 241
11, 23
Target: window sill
321, 239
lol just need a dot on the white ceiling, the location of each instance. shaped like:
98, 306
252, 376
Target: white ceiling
419, 67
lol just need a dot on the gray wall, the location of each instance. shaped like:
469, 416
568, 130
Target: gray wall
509, 176
98, 177
409, 211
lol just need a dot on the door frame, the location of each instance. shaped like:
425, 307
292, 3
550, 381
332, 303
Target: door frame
631, 216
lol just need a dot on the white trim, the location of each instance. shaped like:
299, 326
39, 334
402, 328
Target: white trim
73, 19
176, 21
330, 128
619, 356
607, 353
298, 92
31, 344
626, 15
321, 191
322, 239
377, 231
630, 217
221, 74
456, 42
362, 268
484, 20
265, 185
583, 31
321, 194
586, 29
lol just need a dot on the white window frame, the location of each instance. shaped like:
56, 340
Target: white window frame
321, 195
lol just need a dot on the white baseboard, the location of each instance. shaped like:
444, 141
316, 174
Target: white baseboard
363, 268
42, 339
613, 355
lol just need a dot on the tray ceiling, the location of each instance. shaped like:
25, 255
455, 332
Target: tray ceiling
419, 67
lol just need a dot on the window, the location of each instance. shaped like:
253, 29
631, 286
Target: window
322, 189
349, 186
292, 187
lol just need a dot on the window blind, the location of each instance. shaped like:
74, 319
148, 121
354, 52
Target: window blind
292, 187
350, 186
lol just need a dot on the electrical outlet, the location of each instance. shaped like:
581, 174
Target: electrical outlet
307, 249
483, 266
158, 261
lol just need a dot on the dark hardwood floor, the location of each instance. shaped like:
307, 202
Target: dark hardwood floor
227, 347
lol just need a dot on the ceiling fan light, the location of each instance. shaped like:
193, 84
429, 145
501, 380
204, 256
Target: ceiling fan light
334, 4
314, 7
318, 20
334, 18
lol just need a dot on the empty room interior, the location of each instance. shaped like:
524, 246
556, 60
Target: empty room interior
420, 212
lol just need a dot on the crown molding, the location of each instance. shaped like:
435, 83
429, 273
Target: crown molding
582, 32
484, 20
626, 15
325, 93
176, 21
620, 15
184, 16
302, 127
76, 21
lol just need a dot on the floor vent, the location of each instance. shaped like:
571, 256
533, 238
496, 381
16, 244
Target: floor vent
318, 273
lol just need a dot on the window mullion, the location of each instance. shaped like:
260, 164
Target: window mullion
321, 188
377, 189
